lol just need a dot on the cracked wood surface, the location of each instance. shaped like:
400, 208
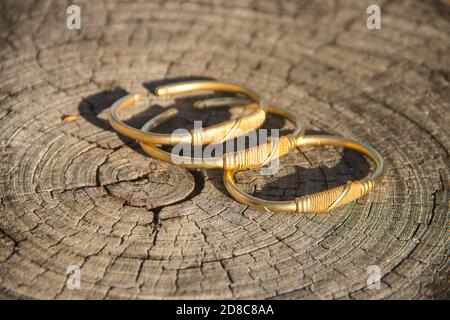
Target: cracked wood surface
73, 192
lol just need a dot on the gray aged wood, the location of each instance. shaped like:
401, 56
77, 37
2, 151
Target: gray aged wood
76, 193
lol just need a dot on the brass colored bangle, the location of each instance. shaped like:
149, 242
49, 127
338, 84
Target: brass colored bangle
213, 134
321, 201
253, 157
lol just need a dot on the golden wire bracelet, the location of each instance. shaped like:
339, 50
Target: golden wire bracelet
213, 134
253, 157
321, 201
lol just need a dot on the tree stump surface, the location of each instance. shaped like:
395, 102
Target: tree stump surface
75, 193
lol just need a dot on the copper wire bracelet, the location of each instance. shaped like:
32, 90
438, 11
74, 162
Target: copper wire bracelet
213, 134
253, 157
321, 201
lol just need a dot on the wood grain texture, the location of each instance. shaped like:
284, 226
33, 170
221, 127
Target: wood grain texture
75, 193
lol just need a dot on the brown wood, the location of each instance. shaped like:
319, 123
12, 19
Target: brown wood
73, 192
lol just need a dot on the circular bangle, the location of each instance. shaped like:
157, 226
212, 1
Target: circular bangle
253, 157
213, 134
321, 201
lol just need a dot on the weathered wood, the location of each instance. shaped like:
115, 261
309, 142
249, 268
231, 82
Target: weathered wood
75, 193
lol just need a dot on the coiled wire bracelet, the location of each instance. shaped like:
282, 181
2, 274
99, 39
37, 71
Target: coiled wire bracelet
213, 134
321, 201
253, 157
